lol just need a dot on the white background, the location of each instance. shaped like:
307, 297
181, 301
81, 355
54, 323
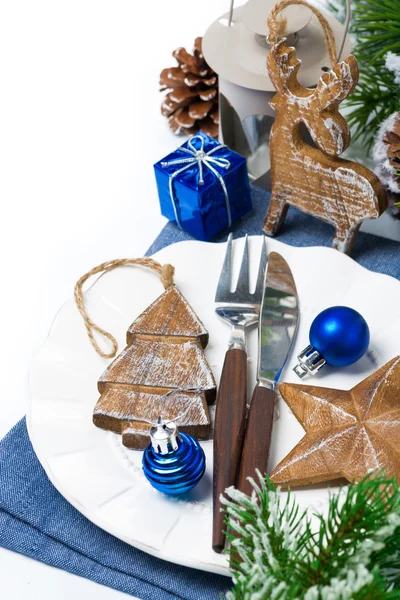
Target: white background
80, 128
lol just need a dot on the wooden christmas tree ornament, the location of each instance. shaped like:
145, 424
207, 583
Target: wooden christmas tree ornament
313, 178
165, 351
348, 433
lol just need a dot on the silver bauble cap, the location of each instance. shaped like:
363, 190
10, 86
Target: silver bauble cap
164, 436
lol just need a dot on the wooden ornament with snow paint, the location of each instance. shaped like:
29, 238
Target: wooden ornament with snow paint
164, 352
313, 178
349, 433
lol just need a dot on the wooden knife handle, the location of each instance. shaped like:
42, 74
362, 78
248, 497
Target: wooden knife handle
230, 418
258, 437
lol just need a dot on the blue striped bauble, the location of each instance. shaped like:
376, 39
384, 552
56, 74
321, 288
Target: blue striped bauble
178, 470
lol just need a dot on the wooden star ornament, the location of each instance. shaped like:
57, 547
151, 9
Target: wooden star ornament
348, 433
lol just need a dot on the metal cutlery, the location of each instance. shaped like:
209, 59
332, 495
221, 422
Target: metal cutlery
277, 330
240, 309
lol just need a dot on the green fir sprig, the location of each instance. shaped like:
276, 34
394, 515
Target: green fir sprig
278, 553
375, 26
372, 102
376, 23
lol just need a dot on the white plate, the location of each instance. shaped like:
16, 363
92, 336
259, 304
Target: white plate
104, 481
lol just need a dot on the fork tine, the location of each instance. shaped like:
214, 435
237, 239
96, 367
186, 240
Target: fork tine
243, 279
224, 283
261, 271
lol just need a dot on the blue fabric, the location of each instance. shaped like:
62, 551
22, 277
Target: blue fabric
202, 209
35, 520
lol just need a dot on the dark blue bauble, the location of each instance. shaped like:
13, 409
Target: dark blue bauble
340, 334
179, 470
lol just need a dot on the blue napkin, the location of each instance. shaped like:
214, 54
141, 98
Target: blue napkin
35, 520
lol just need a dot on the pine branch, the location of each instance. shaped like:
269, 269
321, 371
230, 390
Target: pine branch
374, 100
354, 553
375, 25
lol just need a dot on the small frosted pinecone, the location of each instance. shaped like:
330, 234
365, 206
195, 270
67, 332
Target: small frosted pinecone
392, 140
386, 156
191, 104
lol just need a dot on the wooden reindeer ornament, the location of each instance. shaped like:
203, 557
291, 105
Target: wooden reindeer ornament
164, 354
314, 179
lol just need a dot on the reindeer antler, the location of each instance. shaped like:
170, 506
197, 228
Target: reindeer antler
335, 86
282, 65
332, 89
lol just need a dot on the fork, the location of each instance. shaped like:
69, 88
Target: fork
240, 309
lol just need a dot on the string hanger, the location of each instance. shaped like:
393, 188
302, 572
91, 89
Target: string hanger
171, 393
277, 26
166, 273
164, 434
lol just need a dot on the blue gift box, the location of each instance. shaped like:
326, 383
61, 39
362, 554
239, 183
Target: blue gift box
203, 186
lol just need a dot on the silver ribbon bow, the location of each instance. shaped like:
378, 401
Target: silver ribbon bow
203, 159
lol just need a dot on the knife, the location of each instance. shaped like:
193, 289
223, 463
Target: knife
276, 332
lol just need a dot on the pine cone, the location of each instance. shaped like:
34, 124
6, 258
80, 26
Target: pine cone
192, 102
386, 155
392, 140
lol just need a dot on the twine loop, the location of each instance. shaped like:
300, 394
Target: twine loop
203, 159
179, 390
166, 273
277, 26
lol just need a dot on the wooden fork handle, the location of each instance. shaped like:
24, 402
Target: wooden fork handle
257, 437
230, 418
